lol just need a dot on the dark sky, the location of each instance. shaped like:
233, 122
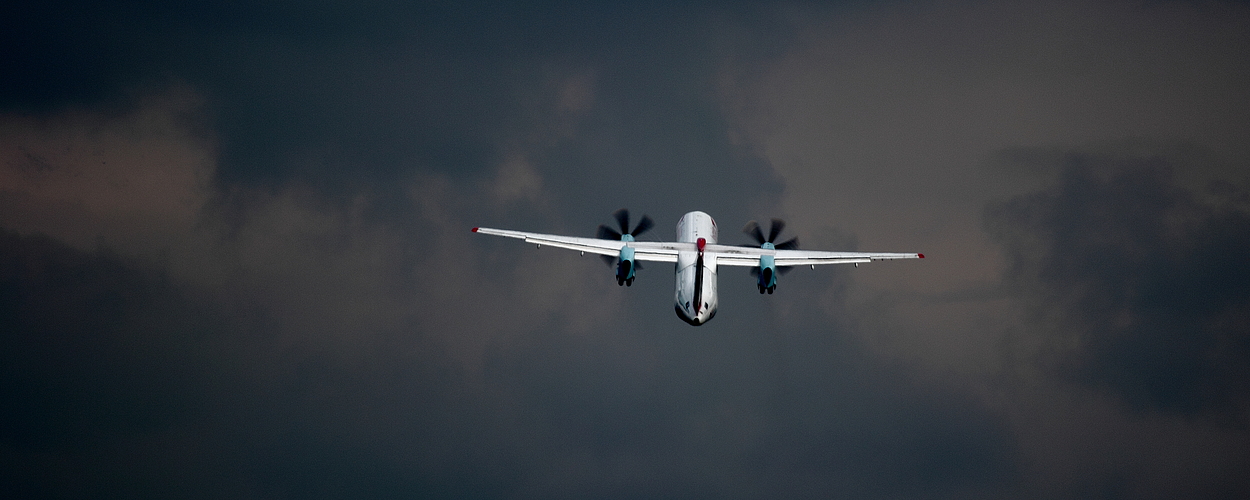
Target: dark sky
235, 259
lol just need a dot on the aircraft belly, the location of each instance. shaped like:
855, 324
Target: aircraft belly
695, 297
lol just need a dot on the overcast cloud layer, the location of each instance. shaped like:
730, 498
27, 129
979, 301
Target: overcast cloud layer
235, 259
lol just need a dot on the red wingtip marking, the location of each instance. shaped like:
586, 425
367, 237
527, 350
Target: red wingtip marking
475, 229
920, 254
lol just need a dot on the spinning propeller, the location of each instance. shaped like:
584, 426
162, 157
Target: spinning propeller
622, 218
625, 264
766, 273
753, 228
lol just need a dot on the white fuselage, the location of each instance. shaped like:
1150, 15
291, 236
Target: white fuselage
695, 297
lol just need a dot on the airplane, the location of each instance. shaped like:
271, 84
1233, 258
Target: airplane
697, 256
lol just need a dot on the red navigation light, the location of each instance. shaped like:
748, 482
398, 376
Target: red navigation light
701, 243
920, 254
475, 229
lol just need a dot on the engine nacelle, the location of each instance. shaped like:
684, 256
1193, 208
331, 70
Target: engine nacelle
766, 274
767, 279
625, 268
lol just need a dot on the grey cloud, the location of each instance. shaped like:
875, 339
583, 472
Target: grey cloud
94, 352
127, 377
317, 321
1146, 279
357, 98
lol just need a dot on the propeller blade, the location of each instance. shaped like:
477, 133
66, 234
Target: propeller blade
782, 270
775, 230
753, 228
755, 272
643, 225
607, 233
622, 217
791, 244
608, 259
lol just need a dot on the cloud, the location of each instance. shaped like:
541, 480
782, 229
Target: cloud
270, 289
1141, 282
103, 360
131, 181
267, 335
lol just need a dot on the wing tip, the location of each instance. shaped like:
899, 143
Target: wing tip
919, 254
475, 229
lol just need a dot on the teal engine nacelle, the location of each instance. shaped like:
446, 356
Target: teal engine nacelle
766, 274
625, 263
767, 277
625, 267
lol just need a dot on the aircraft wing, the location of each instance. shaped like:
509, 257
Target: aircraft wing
750, 256
649, 251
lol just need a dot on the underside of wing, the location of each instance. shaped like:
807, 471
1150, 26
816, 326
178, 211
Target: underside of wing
643, 250
806, 257
750, 256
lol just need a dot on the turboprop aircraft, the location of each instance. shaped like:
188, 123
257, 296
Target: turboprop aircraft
697, 256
